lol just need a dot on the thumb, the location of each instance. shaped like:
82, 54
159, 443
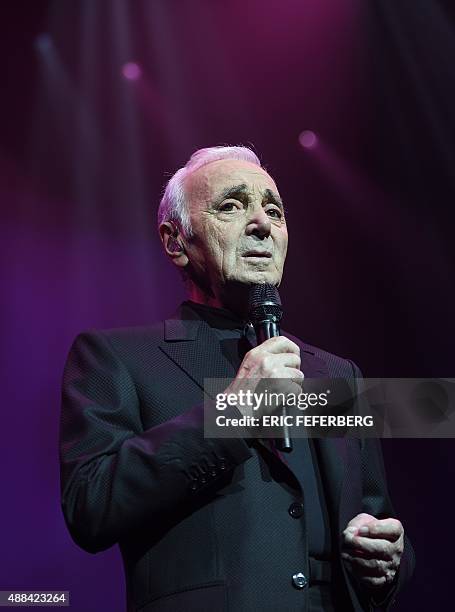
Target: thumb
359, 521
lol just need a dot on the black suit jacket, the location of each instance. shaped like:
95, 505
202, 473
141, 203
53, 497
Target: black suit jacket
202, 524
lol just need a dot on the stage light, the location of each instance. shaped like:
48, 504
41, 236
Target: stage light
308, 139
131, 71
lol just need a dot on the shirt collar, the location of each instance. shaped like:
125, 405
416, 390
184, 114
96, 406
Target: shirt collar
219, 318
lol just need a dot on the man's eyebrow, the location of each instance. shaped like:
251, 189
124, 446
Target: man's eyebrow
242, 190
273, 198
230, 192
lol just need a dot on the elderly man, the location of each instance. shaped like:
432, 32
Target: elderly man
220, 524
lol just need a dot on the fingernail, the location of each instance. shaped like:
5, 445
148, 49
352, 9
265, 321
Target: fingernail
363, 530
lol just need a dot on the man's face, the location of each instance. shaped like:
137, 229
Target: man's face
238, 223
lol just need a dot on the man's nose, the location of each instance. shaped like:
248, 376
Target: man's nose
259, 223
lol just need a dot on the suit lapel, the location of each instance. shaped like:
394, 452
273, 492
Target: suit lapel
194, 347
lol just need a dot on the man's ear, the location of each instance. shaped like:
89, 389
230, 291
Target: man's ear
173, 244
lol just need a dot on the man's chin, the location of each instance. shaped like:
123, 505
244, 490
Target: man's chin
255, 278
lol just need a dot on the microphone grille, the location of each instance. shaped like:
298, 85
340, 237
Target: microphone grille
264, 303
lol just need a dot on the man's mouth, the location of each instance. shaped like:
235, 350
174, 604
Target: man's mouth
263, 254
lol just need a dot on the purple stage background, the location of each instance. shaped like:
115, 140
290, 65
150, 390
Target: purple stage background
102, 100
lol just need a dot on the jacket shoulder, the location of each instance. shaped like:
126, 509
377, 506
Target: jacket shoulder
136, 332
125, 342
125, 334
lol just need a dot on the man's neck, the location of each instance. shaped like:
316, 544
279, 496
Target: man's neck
235, 299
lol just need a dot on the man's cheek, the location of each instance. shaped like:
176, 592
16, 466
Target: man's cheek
216, 253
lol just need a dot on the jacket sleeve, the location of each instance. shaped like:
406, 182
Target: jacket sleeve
376, 501
115, 475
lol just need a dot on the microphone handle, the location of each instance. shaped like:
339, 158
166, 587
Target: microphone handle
264, 330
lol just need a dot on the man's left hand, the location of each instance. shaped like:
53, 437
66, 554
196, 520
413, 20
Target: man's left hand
372, 549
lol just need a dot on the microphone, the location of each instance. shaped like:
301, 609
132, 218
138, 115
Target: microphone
264, 313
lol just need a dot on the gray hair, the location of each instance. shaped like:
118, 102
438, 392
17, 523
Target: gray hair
173, 205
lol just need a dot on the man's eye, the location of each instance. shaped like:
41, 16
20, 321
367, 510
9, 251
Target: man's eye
228, 206
275, 212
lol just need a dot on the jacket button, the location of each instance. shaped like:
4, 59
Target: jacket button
193, 485
296, 510
299, 580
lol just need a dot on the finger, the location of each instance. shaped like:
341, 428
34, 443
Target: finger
385, 555
276, 366
369, 547
280, 344
374, 581
288, 360
295, 375
388, 529
368, 567
371, 581
298, 378
358, 521
364, 554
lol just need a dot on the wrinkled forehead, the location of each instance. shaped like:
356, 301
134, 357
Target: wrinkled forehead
208, 182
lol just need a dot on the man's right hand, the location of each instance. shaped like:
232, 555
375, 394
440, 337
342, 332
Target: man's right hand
277, 360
